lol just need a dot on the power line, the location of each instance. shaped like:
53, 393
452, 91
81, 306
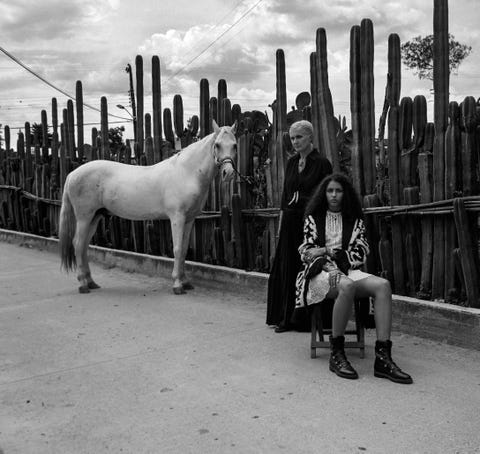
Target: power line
68, 95
215, 40
220, 21
85, 124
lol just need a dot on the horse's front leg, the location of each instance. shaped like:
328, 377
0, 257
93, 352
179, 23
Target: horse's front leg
80, 244
178, 228
186, 240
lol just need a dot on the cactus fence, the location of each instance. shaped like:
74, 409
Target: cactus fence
420, 186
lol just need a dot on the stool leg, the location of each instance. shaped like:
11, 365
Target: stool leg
360, 329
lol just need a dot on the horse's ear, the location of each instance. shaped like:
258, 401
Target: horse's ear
234, 127
216, 128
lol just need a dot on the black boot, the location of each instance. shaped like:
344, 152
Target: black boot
338, 360
384, 365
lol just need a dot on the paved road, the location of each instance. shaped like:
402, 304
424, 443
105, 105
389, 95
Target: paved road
134, 369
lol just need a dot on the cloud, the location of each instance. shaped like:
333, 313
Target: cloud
47, 20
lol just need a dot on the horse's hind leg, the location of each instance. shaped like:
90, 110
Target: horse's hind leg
80, 243
88, 275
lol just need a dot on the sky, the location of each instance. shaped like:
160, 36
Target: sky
64, 41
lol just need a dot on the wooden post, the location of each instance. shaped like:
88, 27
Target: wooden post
467, 257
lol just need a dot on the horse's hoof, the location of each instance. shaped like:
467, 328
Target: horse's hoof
178, 290
93, 285
188, 286
83, 289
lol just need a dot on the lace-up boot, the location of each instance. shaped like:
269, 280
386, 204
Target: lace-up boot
385, 367
338, 360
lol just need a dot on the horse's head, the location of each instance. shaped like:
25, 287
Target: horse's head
225, 149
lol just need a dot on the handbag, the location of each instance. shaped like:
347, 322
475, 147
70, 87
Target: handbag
316, 267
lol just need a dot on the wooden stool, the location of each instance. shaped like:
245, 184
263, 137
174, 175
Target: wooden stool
318, 331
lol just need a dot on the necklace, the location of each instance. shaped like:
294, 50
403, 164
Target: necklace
301, 163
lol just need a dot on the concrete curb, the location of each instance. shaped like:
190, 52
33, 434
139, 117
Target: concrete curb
431, 320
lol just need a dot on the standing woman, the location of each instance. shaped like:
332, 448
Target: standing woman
303, 173
333, 251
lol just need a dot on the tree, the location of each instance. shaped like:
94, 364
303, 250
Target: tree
417, 54
115, 139
37, 130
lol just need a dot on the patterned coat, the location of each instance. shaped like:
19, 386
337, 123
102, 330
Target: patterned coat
352, 255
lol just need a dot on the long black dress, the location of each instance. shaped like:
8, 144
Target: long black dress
297, 190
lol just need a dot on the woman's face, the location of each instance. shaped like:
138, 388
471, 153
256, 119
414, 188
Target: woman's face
300, 140
334, 195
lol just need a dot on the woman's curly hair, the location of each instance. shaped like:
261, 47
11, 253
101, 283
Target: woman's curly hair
351, 206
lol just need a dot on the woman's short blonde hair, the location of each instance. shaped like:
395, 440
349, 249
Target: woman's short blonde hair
302, 126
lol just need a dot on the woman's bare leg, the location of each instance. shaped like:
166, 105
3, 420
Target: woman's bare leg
380, 290
342, 308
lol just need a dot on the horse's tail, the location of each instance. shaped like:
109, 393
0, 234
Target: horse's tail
66, 232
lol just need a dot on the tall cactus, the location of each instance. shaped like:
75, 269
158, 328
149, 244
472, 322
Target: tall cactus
178, 117
355, 110
325, 104
452, 159
79, 105
469, 155
440, 87
28, 152
148, 127
226, 119
394, 65
394, 163
405, 125
167, 127
367, 104
94, 144
394, 69
222, 94
281, 124
212, 112
281, 92
426, 196
63, 153
157, 108
7, 138
236, 114
105, 150
64, 134
44, 135
71, 129
54, 115
140, 103
204, 108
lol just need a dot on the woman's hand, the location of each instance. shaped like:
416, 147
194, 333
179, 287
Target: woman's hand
334, 278
315, 252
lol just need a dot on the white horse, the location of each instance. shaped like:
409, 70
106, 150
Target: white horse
174, 189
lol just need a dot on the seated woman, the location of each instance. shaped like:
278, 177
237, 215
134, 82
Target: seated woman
333, 251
